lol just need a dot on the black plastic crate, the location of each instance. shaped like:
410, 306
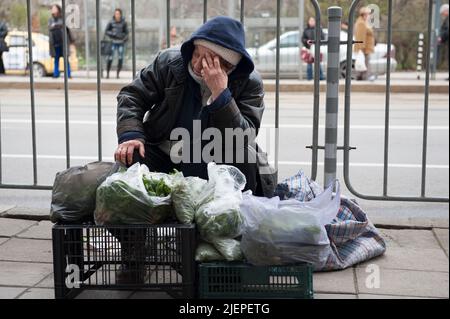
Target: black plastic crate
240, 281
157, 257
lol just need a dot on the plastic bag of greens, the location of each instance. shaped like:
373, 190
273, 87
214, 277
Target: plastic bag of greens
292, 232
135, 196
230, 249
74, 191
206, 253
218, 215
186, 192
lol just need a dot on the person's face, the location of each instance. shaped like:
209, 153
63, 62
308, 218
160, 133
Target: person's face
445, 13
366, 16
55, 12
200, 52
312, 22
117, 15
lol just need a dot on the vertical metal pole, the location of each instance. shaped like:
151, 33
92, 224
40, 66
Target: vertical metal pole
332, 103
133, 36
242, 11
315, 133
66, 92
168, 23
205, 10
33, 113
301, 18
426, 104
388, 101
277, 88
435, 23
99, 86
86, 37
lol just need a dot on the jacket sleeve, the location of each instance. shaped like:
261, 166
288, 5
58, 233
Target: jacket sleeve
108, 30
244, 111
125, 31
443, 33
135, 99
305, 40
360, 35
3, 30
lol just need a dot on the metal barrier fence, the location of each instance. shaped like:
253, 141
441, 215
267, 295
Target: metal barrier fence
36, 185
333, 72
348, 80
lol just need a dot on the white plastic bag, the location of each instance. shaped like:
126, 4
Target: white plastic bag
360, 62
123, 199
283, 232
186, 195
218, 215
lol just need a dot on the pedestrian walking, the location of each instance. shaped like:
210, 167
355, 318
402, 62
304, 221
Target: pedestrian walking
3, 45
364, 32
56, 35
117, 31
309, 34
443, 32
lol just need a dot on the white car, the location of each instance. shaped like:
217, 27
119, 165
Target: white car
264, 57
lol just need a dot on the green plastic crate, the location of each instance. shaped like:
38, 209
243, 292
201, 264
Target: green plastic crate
238, 280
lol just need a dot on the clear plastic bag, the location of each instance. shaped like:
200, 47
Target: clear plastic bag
218, 215
124, 199
74, 191
186, 193
206, 252
283, 232
360, 62
230, 249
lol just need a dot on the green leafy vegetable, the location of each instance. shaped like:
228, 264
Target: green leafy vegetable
120, 200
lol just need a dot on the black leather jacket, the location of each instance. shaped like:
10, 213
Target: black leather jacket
159, 89
117, 31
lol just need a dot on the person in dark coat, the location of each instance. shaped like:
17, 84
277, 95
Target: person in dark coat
443, 32
3, 45
209, 84
309, 34
117, 31
209, 81
56, 35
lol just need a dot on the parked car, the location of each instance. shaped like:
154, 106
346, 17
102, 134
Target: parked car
265, 56
16, 60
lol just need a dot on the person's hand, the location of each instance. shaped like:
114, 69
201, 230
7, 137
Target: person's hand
439, 40
124, 152
214, 76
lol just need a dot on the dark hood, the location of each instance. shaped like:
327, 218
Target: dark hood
226, 32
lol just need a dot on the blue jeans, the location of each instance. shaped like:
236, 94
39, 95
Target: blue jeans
58, 55
119, 48
309, 72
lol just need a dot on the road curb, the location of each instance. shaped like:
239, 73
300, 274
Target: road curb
26, 213
269, 86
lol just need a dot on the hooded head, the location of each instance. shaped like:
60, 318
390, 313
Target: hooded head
224, 36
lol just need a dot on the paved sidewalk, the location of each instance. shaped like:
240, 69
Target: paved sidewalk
415, 266
401, 82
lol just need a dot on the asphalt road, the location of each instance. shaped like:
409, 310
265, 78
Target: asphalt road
367, 134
